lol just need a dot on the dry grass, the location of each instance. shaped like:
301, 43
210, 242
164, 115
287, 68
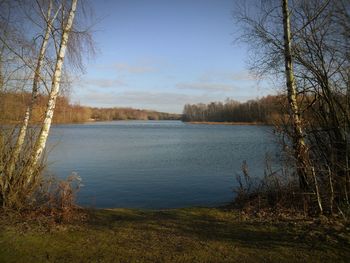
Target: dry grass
181, 235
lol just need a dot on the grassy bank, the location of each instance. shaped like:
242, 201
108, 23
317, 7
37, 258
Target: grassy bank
226, 123
181, 235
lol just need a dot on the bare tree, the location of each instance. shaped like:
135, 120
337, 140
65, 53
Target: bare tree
268, 30
55, 87
322, 57
48, 18
23, 156
299, 145
311, 38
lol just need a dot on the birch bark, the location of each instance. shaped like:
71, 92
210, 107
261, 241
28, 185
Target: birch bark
23, 130
55, 87
299, 146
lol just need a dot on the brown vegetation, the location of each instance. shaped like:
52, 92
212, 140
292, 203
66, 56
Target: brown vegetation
225, 123
13, 106
108, 114
265, 110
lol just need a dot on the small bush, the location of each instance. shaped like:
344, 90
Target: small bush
276, 192
58, 197
16, 190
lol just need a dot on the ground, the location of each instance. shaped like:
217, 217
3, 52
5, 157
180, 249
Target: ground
179, 235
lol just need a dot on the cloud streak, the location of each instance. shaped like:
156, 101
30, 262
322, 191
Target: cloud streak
103, 83
243, 75
215, 76
135, 69
202, 86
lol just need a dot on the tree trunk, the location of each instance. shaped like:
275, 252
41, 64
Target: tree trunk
1, 74
299, 146
22, 132
44, 132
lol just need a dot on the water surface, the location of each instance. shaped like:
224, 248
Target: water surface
157, 164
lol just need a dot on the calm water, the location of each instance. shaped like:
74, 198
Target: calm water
157, 164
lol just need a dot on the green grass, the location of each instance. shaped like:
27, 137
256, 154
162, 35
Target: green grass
180, 235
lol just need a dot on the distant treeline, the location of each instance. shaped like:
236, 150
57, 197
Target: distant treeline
109, 114
13, 106
265, 110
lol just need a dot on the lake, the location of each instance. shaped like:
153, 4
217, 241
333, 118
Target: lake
157, 164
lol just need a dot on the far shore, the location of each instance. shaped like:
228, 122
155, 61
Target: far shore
226, 123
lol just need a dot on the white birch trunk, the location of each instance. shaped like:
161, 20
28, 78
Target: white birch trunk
42, 138
299, 146
22, 133
1, 74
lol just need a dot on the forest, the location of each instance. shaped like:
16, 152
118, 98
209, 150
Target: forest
13, 106
266, 110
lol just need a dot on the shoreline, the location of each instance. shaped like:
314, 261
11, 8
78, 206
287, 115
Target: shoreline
227, 123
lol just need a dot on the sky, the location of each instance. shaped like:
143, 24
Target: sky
162, 54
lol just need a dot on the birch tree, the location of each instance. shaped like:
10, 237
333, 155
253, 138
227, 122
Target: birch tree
267, 29
23, 159
49, 18
55, 88
306, 44
299, 145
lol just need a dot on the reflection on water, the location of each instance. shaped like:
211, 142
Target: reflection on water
157, 164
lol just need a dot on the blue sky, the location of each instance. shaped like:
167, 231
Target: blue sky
162, 54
